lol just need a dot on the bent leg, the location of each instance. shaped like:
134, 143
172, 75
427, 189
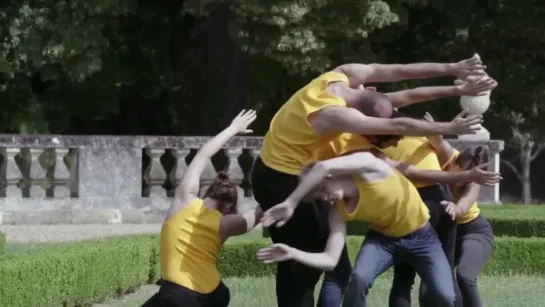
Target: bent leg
374, 258
424, 252
335, 282
400, 293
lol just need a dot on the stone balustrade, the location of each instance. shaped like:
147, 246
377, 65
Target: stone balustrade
54, 179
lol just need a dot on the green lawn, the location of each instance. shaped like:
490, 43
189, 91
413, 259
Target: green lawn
497, 291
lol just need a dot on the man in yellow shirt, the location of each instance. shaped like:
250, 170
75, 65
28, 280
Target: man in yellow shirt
318, 114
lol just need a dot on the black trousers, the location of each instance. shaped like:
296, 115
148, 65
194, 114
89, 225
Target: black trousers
474, 247
307, 230
174, 295
404, 275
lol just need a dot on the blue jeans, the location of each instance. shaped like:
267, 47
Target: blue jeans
335, 282
421, 249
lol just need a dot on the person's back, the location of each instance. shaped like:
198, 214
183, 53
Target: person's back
391, 204
190, 243
290, 141
195, 228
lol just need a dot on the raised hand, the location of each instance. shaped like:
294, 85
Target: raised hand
243, 120
476, 87
279, 214
463, 124
469, 67
275, 253
482, 177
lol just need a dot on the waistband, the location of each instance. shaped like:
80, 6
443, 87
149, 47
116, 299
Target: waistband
419, 232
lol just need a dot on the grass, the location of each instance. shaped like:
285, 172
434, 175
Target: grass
497, 291
531, 212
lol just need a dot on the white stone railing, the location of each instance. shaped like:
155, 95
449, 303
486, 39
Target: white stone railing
50, 179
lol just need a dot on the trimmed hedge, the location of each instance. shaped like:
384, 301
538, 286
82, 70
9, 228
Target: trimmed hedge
3, 244
79, 274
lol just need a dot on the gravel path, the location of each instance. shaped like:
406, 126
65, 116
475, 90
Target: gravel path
65, 233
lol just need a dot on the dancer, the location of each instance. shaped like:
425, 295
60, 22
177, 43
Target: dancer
315, 115
475, 239
195, 229
374, 190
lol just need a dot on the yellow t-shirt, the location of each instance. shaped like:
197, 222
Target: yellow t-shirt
392, 206
190, 243
291, 142
343, 144
473, 211
416, 151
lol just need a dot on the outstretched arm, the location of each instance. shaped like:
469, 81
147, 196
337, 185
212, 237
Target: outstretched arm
334, 247
405, 98
445, 152
361, 73
370, 73
326, 260
342, 119
349, 164
239, 224
432, 177
189, 185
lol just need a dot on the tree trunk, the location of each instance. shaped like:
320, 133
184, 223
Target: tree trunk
526, 181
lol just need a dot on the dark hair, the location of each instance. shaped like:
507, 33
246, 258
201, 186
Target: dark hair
472, 157
224, 191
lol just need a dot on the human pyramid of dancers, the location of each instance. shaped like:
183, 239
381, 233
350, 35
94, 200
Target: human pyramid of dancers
339, 151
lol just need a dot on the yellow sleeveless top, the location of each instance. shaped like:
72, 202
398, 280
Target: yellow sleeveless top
291, 142
392, 206
416, 151
474, 210
190, 243
344, 143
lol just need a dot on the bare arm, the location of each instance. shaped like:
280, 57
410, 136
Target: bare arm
335, 243
368, 73
469, 196
349, 164
427, 176
189, 185
342, 119
237, 224
445, 152
420, 94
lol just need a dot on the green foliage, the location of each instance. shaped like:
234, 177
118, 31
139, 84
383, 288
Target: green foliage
3, 244
76, 274
510, 221
79, 274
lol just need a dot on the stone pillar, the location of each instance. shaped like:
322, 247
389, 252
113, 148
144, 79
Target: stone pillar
208, 175
37, 174
61, 174
180, 166
236, 174
14, 175
488, 195
157, 174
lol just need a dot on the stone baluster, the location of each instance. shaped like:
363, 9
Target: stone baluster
180, 166
14, 175
37, 174
207, 177
254, 153
157, 174
61, 174
236, 174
